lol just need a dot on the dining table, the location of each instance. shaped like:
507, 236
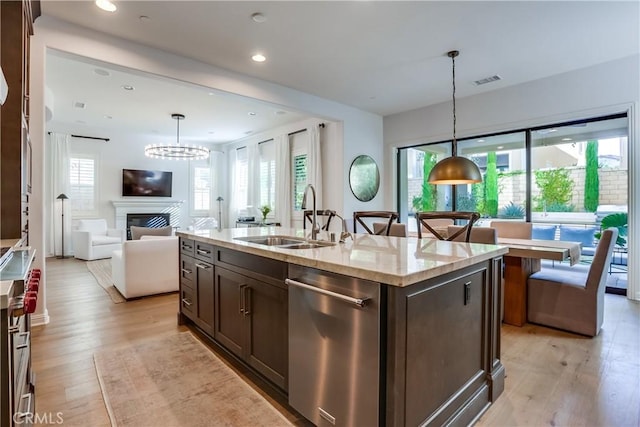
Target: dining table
522, 260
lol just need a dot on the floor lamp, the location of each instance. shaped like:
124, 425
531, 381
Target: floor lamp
62, 197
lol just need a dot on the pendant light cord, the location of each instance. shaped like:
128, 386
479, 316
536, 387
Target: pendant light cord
452, 55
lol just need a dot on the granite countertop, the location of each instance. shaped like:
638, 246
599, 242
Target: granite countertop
397, 261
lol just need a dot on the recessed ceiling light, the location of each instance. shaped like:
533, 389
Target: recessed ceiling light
499, 147
481, 140
144, 18
101, 72
258, 57
127, 87
251, 113
258, 17
106, 5
567, 139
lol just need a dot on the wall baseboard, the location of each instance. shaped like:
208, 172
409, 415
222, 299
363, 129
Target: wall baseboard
40, 318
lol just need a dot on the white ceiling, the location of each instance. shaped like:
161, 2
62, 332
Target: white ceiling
381, 56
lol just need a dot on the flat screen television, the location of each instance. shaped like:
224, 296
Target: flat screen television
146, 183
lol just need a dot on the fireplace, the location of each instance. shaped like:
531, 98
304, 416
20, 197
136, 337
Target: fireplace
152, 220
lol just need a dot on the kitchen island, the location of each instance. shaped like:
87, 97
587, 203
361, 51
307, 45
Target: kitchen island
375, 331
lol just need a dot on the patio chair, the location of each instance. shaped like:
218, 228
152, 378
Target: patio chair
573, 300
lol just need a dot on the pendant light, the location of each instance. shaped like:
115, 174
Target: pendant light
454, 170
177, 151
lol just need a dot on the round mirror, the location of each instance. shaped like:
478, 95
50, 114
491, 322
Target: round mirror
364, 178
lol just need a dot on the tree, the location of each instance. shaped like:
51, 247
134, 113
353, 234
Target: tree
591, 180
427, 202
491, 185
556, 188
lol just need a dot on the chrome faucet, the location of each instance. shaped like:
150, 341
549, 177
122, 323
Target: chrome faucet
344, 235
314, 226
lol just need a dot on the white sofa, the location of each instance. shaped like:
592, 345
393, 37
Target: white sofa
146, 267
93, 240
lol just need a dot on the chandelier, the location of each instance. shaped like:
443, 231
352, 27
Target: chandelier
177, 151
454, 169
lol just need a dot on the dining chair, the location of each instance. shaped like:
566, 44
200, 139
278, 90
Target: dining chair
359, 217
513, 229
485, 235
397, 230
326, 215
573, 300
425, 219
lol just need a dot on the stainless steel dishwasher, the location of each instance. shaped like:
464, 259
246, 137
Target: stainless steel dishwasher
334, 347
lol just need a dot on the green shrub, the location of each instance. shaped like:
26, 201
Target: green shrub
427, 201
619, 221
491, 185
465, 202
511, 211
556, 188
560, 207
591, 180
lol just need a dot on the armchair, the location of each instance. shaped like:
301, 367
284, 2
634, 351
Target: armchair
93, 240
146, 267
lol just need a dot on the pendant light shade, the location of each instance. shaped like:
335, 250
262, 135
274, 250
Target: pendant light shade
176, 151
454, 170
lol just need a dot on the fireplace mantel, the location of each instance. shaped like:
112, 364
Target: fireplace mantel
123, 207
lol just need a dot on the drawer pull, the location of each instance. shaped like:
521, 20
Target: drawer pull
186, 302
203, 252
185, 271
203, 266
187, 247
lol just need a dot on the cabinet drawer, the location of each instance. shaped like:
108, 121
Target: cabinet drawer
187, 246
253, 264
188, 302
204, 252
187, 271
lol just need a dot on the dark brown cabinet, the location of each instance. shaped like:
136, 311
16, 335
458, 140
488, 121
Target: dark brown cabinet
16, 19
240, 301
251, 322
196, 287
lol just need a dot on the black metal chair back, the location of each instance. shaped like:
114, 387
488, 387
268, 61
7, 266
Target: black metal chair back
359, 216
423, 219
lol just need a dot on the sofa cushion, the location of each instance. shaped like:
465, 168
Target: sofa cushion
104, 240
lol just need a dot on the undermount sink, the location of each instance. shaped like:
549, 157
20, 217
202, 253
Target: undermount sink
285, 242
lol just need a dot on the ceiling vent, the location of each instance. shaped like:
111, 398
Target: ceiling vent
79, 104
486, 80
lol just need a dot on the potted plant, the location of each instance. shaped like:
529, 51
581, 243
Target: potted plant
619, 221
265, 211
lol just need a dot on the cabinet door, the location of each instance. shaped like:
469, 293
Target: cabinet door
266, 310
205, 297
229, 321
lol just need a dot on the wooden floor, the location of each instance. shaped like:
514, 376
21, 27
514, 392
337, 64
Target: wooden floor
553, 378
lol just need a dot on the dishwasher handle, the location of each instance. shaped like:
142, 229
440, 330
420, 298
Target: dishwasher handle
360, 302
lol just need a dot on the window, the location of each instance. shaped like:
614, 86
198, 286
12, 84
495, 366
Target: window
299, 180
241, 188
201, 189
267, 174
82, 185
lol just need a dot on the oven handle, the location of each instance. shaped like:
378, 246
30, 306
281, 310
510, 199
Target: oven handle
360, 302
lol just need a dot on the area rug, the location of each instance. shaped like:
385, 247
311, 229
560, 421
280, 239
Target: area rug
101, 270
177, 381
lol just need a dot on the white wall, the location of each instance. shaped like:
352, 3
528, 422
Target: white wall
361, 131
608, 88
